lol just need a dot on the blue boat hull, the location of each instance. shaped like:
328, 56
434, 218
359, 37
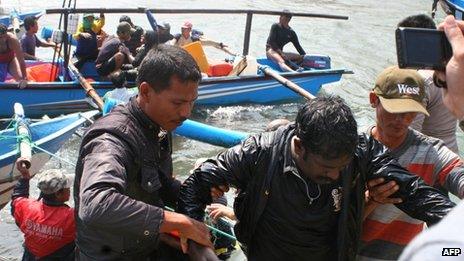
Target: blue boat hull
56, 98
48, 134
263, 89
6, 20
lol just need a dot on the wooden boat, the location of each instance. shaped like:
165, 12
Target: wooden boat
64, 95
61, 97
49, 135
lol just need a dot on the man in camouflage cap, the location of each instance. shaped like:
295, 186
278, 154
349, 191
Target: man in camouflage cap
53, 181
48, 223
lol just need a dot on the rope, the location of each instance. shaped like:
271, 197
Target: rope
215, 230
4, 137
53, 155
9, 124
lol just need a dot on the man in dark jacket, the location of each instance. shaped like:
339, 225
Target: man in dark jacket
291, 202
124, 170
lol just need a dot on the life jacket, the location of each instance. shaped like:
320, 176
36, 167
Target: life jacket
46, 228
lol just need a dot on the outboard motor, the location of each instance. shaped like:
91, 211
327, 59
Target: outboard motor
316, 61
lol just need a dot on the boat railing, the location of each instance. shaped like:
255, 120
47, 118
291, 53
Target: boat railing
249, 17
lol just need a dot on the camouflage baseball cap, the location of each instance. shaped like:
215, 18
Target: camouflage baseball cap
51, 181
401, 90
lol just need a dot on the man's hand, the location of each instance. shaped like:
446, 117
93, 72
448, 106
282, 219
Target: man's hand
188, 228
379, 191
85, 35
21, 166
454, 94
22, 84
196, 231
123, 49
218, 210
198, 252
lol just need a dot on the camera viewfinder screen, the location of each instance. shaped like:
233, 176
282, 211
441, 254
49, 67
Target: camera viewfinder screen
424, 48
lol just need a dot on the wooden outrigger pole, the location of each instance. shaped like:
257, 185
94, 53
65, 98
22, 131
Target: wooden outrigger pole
249, 17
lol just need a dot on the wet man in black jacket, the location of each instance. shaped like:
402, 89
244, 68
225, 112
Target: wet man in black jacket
291, 203
124, 170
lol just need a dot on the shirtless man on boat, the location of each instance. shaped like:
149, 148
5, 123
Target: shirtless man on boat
11, 58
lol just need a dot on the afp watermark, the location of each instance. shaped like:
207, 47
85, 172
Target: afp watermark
451, 251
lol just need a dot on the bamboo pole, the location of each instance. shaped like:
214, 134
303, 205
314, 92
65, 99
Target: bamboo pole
190, 11
286, 82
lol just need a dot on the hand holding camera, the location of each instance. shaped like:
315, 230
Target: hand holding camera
453, 96
441, 50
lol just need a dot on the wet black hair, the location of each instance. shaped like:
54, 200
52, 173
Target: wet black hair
418, 21
29, 22
326, 127
165, 61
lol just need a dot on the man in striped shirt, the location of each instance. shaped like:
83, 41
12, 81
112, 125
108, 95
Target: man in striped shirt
397, 98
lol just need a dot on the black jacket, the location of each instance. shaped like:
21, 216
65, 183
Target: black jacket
123, 179
250, 166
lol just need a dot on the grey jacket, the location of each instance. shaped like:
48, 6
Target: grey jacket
123, 178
